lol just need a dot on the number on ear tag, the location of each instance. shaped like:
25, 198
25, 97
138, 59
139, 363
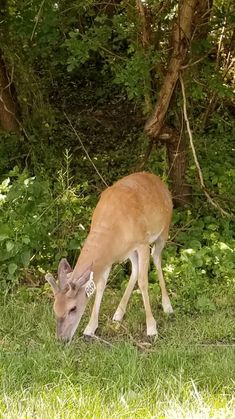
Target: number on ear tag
90, 286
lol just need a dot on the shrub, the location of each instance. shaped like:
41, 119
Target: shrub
41, 221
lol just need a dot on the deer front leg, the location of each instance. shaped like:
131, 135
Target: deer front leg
119, 313
93, 322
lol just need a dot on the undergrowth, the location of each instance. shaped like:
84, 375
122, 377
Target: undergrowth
45, 218
42, 220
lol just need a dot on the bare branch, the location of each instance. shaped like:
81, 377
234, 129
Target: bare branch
212, 202
99, 339
144, 15
37, 17
190, 64
85, 150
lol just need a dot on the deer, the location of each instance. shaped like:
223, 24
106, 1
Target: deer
131, 216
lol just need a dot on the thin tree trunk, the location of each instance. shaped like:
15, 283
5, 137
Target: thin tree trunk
145, 36
177, 160
8, 120
155, 128
193, 16
181, 40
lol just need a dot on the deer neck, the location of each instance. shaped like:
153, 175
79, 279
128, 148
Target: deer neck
96, 253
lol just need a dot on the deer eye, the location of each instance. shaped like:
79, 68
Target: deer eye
73, 310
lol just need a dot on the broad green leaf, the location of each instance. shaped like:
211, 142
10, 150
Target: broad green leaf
10, 246
5, 232
25, 257
3, 237
5, 184
26, 239
12, 268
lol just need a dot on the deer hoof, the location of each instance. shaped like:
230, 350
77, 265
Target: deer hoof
88, 338
118, 315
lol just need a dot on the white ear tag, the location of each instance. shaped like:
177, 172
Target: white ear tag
90, 286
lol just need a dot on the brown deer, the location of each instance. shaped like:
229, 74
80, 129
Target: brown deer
131, 215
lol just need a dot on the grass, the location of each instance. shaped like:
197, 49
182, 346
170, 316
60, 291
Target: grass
188, 373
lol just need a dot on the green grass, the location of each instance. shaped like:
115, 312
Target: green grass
188, 373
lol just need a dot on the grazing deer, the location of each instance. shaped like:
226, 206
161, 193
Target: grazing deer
130, 215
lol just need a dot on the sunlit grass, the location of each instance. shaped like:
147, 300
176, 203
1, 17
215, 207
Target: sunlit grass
188, 373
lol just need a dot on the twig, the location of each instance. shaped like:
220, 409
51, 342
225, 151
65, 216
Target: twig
216, 345
143, 346
183, 228
147, 154
212, 202
102, 340
183, 67
9, 111
84, 149
10, 81
112, 53
177, 149
37, 17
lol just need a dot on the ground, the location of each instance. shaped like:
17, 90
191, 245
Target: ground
187, 373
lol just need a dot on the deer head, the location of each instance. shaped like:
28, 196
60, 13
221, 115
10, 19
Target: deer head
71, 297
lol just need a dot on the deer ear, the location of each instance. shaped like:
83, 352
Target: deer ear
64, 269
87, 282
50, 279
84, 278
81, 280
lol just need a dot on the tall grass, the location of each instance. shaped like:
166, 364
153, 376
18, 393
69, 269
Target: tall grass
189, 372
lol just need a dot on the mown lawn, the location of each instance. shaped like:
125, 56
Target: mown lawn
188, 373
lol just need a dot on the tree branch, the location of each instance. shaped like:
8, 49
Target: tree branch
181, 40
85, 150
202, 183
37, 17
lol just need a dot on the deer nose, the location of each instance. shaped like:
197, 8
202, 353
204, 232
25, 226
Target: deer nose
60, 333
61, 337
64, 339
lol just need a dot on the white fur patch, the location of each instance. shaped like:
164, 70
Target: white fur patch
90, 286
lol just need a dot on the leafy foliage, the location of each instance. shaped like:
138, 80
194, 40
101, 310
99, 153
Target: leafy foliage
200, 266
36, 221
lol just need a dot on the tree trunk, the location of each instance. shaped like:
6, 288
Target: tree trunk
181, 40
191, 14
8, 120
177, 161
176, 145
145, 20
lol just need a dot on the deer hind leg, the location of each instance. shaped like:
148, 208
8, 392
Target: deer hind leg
143, 256
93, 322
119, 313
156, 253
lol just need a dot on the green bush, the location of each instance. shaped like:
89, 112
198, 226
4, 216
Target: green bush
200, 263
41, 221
